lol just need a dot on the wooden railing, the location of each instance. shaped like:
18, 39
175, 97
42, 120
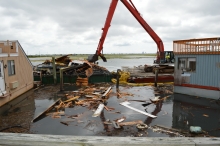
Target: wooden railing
197, 46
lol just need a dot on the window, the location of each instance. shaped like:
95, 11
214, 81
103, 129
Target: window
11, 67
187, 64
192, 65
182, 63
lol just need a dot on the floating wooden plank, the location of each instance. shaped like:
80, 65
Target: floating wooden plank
49, 108
137, 110
71, 99
131, 123
99, 110
106, 92
90, 96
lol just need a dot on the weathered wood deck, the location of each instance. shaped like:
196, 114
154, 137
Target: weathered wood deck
66, 140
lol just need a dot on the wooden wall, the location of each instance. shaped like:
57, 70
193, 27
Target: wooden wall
23, 74
7, 48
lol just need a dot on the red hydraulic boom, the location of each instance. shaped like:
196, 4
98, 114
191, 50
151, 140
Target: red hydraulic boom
130, 6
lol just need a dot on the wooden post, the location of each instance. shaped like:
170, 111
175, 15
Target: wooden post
8, 47
41, 77
61, 79
117, 83
54, 71
156, 76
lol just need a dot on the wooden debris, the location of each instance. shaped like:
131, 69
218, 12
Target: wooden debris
109, 108
168, 91
106, 108
73, 116
177, 132
205, 115
120, 119
142, 126
99, 110
72, 99
62, 113
106, 92
116, 112
96, 94
68, 97
90, 96
64, 123
89, 72
130, 123
75, 91
115, 124
169, 131
138, 100
119, 95
82, 81
126, 104
56, 116
68, 104
62, 104
156, 100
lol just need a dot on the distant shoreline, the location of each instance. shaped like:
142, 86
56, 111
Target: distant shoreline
85, 56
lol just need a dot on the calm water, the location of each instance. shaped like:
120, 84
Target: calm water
113, 64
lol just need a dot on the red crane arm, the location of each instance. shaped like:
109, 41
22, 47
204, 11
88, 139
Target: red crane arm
106, 26
130, 6
144, 24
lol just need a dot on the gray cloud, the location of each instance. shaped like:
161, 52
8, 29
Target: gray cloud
123, 44
45, 25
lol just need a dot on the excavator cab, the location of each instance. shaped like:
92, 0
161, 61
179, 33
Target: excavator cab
169, 57
165, 57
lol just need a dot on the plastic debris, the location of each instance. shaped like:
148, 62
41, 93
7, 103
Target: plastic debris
195, 129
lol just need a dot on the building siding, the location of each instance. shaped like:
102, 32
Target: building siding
23, 74
207, 70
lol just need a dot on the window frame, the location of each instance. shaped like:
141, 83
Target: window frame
186, 67
11, 67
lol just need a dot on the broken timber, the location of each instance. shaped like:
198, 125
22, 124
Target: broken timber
106, 92
130, 123
71, 99
137, 110
49, 108
99, 110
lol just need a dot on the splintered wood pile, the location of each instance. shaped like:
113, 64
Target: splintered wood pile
87, 69
82, 81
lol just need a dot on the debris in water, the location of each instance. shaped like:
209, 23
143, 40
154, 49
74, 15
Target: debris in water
205, 115
142, 126
126, 104
99, 110
131, 123
120, 119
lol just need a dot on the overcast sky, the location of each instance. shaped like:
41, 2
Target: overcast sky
74, 26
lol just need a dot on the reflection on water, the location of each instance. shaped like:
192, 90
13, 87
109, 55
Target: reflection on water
180, 113
203, 112
87, 125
